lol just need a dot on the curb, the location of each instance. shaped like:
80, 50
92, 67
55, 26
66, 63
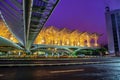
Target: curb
58, 64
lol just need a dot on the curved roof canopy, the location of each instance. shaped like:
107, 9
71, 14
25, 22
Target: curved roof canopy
6, 45
25, 18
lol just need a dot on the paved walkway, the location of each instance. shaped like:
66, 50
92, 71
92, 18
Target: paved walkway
59, 61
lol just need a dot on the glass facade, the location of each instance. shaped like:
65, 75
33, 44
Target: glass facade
114, 33
118, 23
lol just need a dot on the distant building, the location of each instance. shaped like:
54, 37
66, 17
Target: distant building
113, 29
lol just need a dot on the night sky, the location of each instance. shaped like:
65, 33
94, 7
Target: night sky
84, 15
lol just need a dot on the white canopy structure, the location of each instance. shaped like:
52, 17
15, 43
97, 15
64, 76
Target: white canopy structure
25, 18
6, 45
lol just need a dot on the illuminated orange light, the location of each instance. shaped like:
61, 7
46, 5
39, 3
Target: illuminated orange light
54, 36
4, 32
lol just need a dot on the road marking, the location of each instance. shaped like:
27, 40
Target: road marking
1, 75
63, 71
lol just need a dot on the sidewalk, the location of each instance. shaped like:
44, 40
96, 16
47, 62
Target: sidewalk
58, 62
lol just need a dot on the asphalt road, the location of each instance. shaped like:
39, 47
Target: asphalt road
58, 61
107, 71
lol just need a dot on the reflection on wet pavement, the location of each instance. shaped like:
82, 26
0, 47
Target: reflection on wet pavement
109, 71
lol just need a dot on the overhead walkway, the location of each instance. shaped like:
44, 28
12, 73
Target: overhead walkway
25, 18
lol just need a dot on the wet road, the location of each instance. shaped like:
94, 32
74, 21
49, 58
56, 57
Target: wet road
108, 71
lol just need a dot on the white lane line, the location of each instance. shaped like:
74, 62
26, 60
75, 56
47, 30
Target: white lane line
63, 71
1, 75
